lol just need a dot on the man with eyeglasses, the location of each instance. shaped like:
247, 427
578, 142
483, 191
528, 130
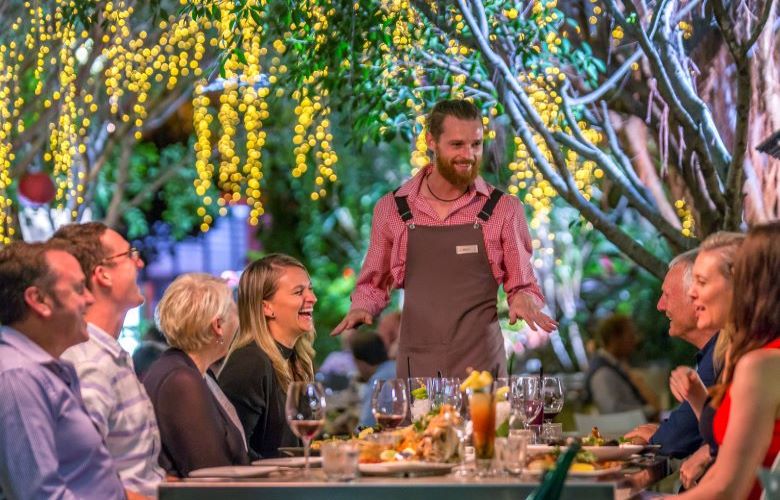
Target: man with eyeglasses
115, 398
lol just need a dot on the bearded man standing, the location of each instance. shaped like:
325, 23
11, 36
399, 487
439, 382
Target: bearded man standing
449, 239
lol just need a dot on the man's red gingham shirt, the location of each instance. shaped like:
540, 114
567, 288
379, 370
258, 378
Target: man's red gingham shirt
507, 241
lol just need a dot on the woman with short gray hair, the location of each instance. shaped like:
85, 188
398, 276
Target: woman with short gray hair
199, 318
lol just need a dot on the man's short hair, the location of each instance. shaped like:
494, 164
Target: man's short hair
459, 108
23, 265
613, 327
686, 259
367, 346
87, 247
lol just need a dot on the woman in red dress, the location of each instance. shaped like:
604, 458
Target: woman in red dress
746, 419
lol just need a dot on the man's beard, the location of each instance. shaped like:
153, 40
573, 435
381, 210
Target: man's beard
451, 175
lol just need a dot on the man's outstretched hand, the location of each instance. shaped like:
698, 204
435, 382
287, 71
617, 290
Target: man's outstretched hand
527, 308
353, 319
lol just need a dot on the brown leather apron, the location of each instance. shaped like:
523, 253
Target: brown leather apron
449, 321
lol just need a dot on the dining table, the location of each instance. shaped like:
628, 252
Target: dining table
636, 478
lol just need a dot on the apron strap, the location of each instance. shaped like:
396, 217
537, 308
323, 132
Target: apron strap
403, 207
490, 204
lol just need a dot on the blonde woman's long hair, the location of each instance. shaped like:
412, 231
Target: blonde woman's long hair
725, 244
259, 282
755, 310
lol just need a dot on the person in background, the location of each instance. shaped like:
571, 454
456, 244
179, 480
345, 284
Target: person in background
49, 446
338, 367
199, 318
449, 240
373, 364
152, 346
711, 293
678, 435
611, 384
273, 348
115, 398
743, 415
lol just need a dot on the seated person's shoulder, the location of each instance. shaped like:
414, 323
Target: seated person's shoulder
247, 362
759, 363
23, 378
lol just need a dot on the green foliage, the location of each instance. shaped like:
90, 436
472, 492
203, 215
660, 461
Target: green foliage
175, 203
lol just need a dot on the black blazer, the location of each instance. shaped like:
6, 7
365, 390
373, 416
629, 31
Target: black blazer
194, 429
249, 381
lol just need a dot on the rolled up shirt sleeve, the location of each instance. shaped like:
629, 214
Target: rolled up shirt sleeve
374, 283
518, 253
29, 462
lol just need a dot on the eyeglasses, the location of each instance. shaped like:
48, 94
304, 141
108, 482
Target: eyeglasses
133, 253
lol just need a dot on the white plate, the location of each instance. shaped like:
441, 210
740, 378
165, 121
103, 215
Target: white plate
234, 471
405, 467
621, 452
289, 462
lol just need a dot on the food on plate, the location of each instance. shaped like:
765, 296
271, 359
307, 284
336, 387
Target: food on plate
585, 461
596, 439
432, 438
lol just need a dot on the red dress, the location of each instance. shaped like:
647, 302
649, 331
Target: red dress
721, 420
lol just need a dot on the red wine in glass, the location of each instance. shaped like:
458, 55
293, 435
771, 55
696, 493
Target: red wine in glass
550, 415
306, 429
305, 410
388, 420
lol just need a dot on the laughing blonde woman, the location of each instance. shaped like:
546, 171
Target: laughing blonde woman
273, 348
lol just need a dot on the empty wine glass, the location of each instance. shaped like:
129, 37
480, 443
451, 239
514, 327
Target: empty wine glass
526, 402
446, 391
305, 408
552, 395
389, 402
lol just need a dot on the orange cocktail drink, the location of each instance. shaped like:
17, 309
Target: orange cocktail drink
482, 406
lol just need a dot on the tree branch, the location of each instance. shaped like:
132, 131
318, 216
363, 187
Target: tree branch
172, 106
610, 83
736, 174
569, 192
122, 173
617, 150
768, 5
154, 186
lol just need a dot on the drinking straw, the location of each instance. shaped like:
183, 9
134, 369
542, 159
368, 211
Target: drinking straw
409, 380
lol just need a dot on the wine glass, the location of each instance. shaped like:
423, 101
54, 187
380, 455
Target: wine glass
389, 402
419, 396
552, 395
446, 391
526, 401
305, 408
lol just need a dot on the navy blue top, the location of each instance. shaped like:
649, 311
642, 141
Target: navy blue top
679, 435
